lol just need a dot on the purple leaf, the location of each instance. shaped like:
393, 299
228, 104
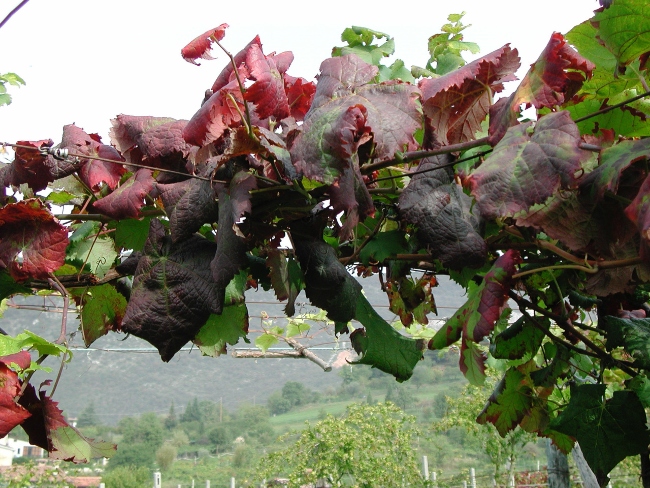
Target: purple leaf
173, 291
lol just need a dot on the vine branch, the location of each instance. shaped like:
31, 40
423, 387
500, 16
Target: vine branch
11, 14
569, 329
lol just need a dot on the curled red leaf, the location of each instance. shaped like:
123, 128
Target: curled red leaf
267, 93
201, 46
30, 228
457, 102
11, 414
222, 110
93, 172
127, 200
555, 77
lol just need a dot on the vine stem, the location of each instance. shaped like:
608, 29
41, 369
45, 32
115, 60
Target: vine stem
10, 14
557, 266
553, 337
612, 107
415, 155
103, 218
368, 238
58, 286
242, 88
106, 160
569, 329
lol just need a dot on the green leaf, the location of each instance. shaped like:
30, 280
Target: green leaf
607, 430
9, 287
396, 71
286, 279
624, 29
360, 42
519, 339
381, 346
268, 339
103, 310
547, 376
60, 197
635, 335
510, 402
297, 327
132, 233
583, 38
472, 362
28, 340
96, 251
621, 120
223, 329
230, 325
12, 79
71, 445
384, 245
640, 385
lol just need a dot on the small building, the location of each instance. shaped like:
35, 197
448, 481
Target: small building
22, 448
6, 455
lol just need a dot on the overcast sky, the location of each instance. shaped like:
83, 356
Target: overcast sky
87, 61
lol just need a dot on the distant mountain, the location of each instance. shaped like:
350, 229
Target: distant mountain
133, 379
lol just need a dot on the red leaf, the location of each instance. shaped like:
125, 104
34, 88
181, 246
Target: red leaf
126, 201
30, 166
222, 110
201, 46
11, 414
93, 172
300, 94
457, 102
173, 291
548, 82
225, 77
639, 212
30, 228
524, 170
551, 80
346, 110
188, 204
47, 428
267, 93
478, 316
23, 359
152, 141
234, 202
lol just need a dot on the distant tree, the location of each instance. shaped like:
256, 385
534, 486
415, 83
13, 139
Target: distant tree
295, 392
440, 405
146, 430
243, 456
252, 421
126, 477
369, 446
171, 421
220, 436
462, 413
369, 399
166, 455
400, 395
88, 417
278, 404
132, 456
192, 412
